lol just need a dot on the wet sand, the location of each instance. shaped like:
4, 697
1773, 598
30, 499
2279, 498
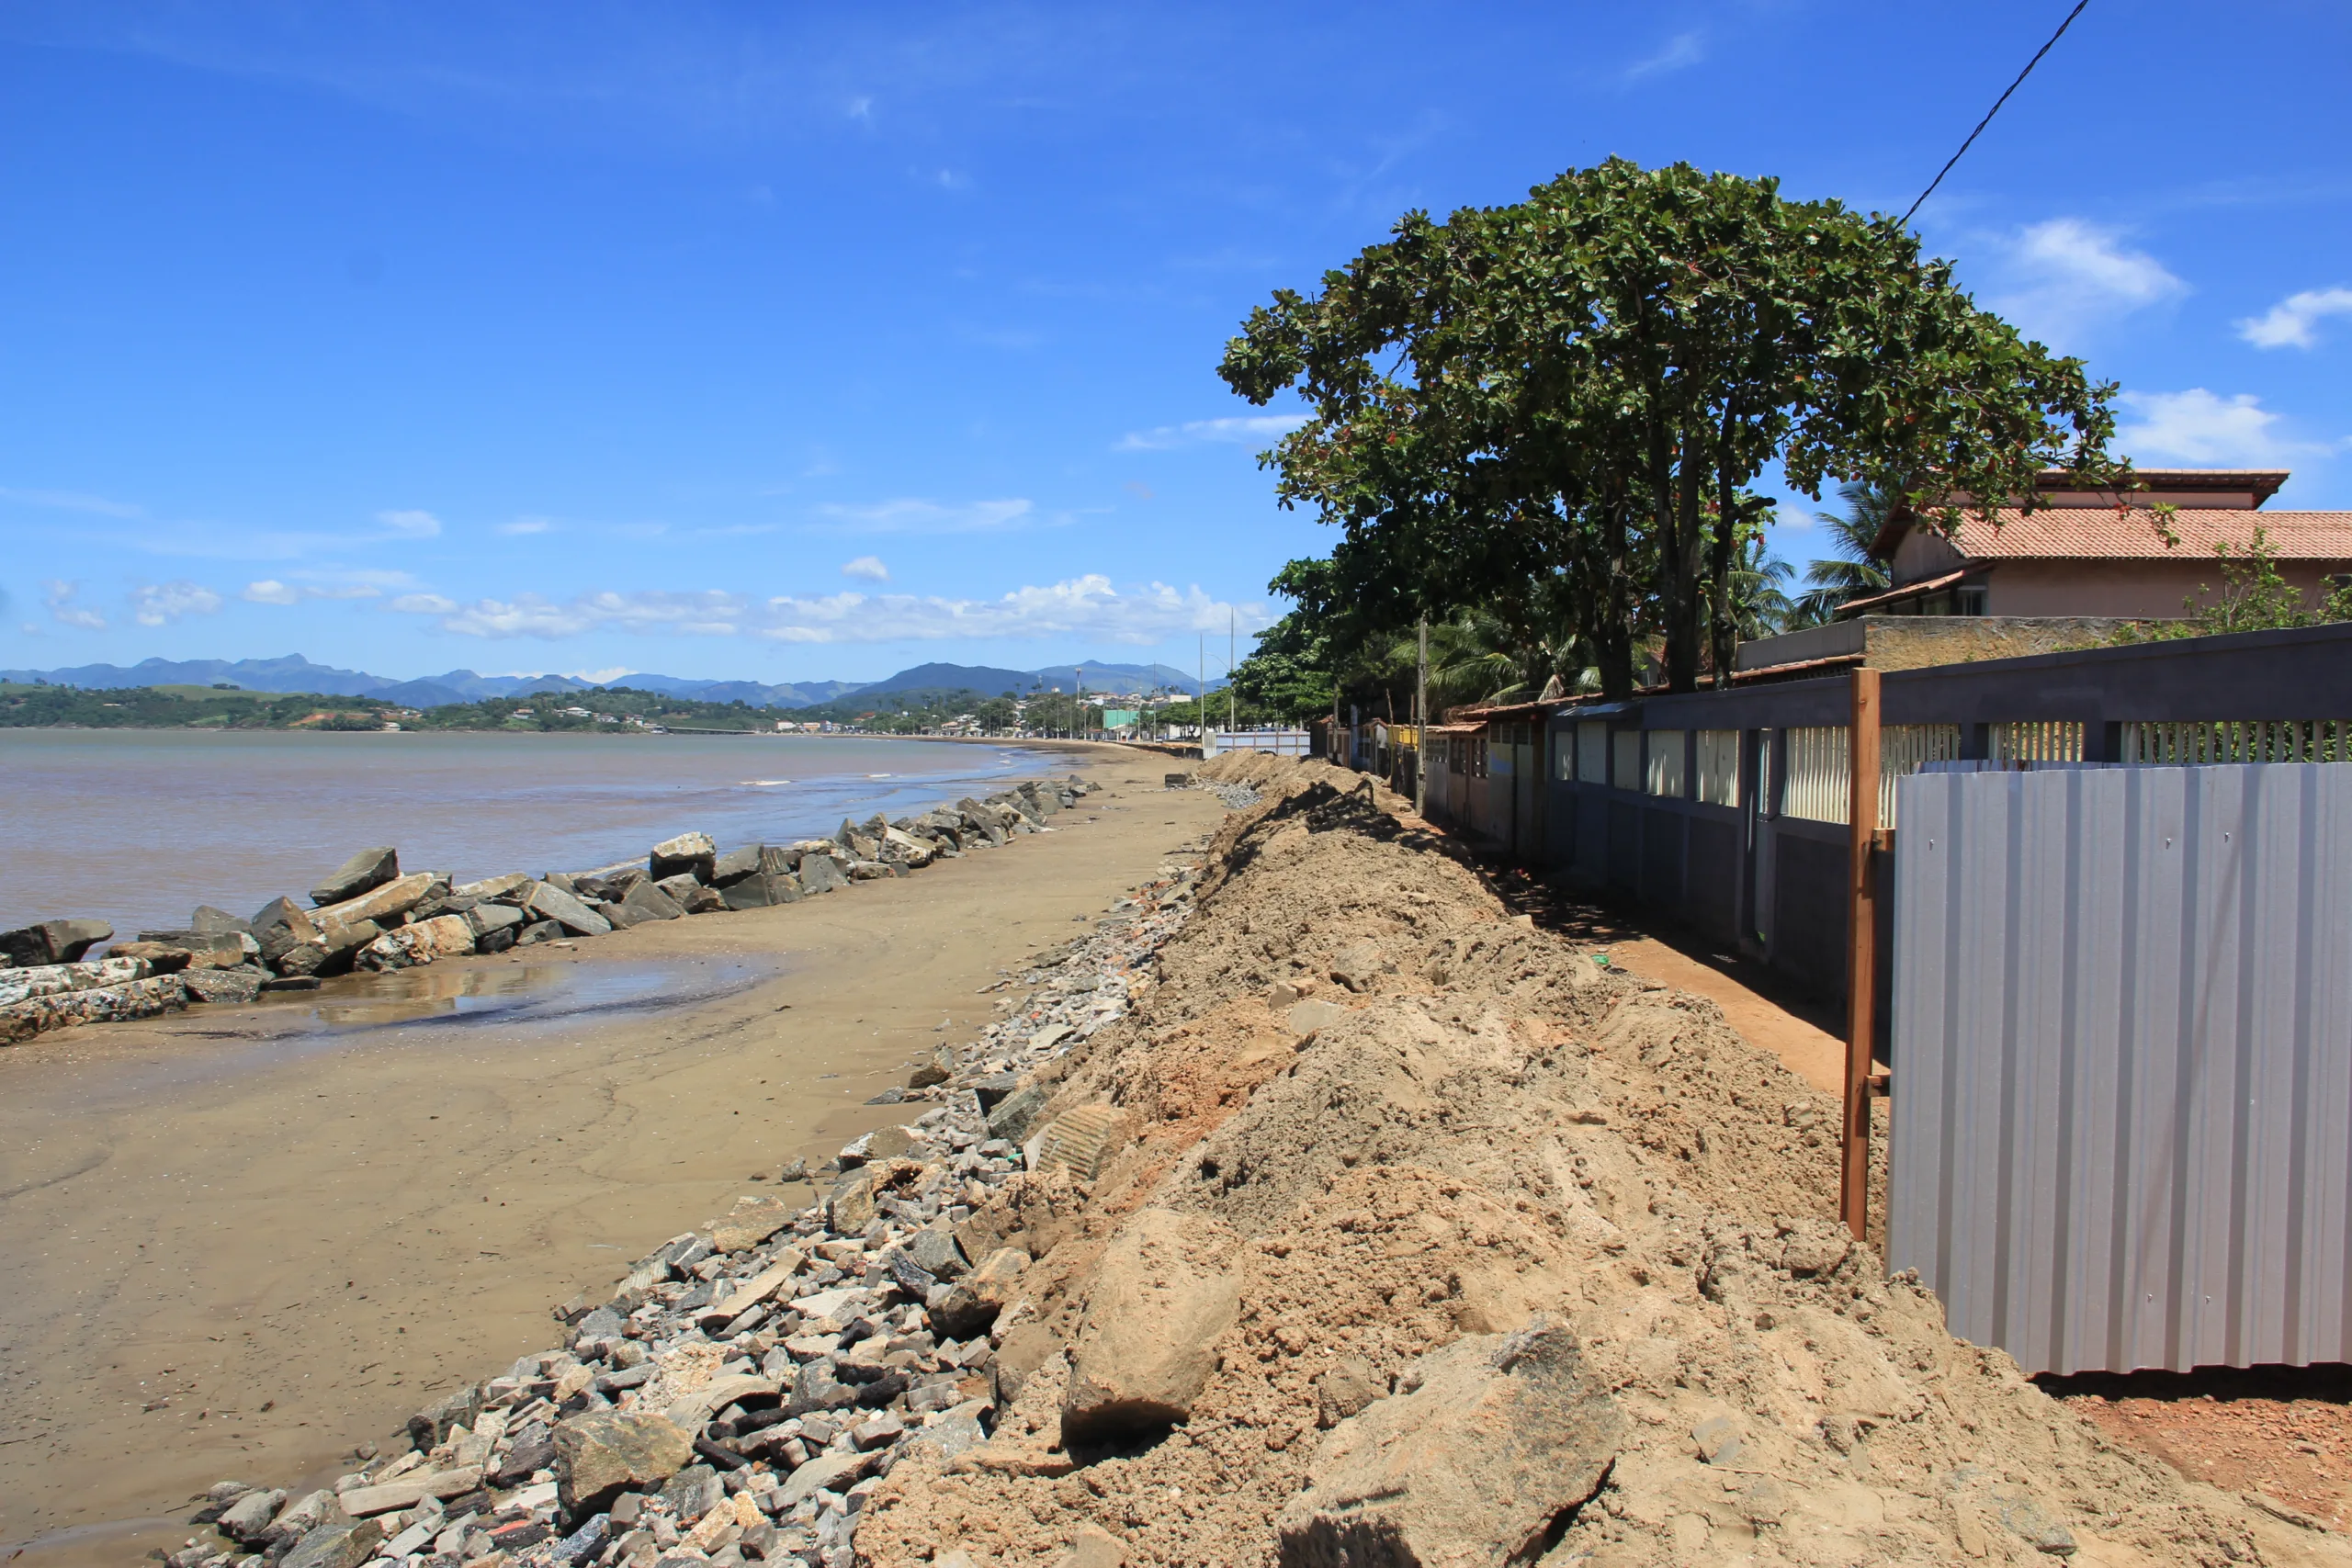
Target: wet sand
239, 1246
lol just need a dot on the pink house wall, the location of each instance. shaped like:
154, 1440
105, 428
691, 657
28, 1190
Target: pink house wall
2148, 589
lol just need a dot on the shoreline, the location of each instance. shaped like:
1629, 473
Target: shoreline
464, 1114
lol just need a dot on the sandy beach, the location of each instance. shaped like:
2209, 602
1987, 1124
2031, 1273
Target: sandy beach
240, 1246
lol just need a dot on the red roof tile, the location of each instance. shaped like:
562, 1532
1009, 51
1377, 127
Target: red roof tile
2080, 533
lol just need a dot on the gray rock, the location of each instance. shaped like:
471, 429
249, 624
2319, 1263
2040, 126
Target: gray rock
760, 889
691, 855
549, 902
815, 1387
488, 918
935, 1251
213, 922
241, 984
822, 874
248, 1519
1017, 1113
431, 1424
736, 864
826, 1472
599, 1454
364, 872
53, 942
647, 901
692, 1492
993, 1089
340, 1543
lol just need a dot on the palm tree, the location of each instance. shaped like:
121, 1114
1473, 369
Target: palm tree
1851, 572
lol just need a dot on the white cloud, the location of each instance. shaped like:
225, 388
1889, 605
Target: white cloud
908, 515
2195, 426
159, 604
2288, 324
269, 591
1246, 428
599, 677
527, 525
411, 525
2067, 276
1681, 50
1086, 606
59, 597
868, 568
71, 500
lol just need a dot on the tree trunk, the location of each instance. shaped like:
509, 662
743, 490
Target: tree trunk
1724, 635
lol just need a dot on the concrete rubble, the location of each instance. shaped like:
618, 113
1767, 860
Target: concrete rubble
366, 915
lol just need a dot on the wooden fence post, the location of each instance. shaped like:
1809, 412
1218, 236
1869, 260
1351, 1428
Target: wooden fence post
1861, 965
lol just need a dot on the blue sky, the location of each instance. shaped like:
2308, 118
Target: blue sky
786, 342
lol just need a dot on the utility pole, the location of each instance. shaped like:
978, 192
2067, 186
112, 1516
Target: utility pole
1862, 962
1200, 690
1421, 725
1232, 645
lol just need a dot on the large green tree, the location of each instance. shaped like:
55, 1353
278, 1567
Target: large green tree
1572, 395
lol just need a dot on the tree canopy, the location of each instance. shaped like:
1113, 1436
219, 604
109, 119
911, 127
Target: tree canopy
1559, 407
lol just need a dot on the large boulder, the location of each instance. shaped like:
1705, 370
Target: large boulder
647, 901
736, 864
364, 872
689, 893
53, 942
57, 979
490, 888
222, 949
280, 924
604, 1452
381, 902
970, 1305
241, 984
549, 902
213, 922
687, 854
328, 950
339, 1543
443, 936
760, 889
822, 874
487, 918
1161, 1299
1495, 1438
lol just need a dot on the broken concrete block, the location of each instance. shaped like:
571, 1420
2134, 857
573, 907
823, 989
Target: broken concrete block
1159, 1301
603, 1452
1498, 1438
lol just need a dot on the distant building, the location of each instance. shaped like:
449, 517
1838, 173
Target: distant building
2084, 552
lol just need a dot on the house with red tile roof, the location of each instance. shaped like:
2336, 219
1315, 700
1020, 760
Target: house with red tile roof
2096, 552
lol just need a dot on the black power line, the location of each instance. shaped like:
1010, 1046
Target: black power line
1997, 107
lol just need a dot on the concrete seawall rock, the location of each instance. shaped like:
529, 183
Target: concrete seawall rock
367, 914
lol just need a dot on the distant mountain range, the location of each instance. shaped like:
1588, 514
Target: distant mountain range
296, 673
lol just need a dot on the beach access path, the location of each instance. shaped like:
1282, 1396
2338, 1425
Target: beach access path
242, 1273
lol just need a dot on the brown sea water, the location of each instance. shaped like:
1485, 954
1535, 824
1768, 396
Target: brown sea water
139, 827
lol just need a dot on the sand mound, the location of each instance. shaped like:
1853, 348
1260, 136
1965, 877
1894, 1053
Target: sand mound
1527, 1261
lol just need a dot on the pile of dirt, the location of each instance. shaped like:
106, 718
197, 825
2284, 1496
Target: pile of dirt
1423, 1238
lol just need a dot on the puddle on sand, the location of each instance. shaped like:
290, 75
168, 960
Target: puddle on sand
519, 993
443, 1003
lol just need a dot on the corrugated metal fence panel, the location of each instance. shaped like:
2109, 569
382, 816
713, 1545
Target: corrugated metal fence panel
2122, 1047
